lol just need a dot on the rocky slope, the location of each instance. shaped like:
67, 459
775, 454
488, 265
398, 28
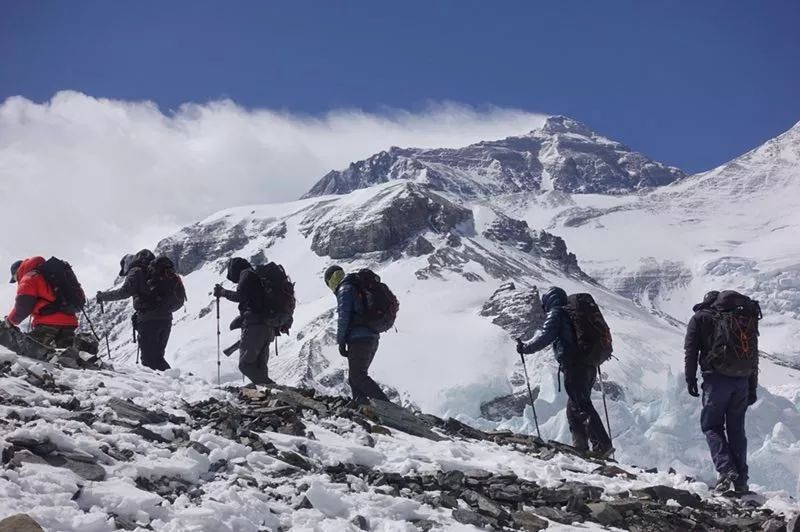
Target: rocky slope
95, 451
562, 155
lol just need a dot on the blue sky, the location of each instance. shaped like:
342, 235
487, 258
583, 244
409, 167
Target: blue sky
689, 83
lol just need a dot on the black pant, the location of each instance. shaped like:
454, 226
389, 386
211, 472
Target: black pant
584, 421
722, 421
254, 352
359, 358
153, 338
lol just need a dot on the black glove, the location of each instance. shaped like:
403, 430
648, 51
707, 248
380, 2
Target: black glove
284, 330
752, 397
218, 290
343, 350
100, 297
520, 347
691, 386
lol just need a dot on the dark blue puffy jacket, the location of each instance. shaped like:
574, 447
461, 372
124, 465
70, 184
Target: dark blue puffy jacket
557, 328
350, 307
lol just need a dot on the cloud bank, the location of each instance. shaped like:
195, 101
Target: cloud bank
88, 179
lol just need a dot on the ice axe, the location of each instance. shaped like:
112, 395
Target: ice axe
530, 392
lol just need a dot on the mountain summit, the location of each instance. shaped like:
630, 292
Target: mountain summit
563, 155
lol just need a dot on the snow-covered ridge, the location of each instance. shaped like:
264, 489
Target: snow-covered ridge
562, 155
95, 451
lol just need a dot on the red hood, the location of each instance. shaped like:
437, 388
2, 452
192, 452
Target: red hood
29, 265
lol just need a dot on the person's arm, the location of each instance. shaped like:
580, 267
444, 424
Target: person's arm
344, 307
128, 288
25, 302
23, 307
544, 336
691, 348
231, 295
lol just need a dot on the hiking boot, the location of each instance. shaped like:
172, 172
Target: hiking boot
725, 481
603, 452
741, 488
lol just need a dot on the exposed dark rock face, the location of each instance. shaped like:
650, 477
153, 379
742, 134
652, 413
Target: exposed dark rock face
562, 155
518, 311
199, 244
507, 406
539, 243
389, 221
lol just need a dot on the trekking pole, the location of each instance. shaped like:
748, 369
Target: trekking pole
94, 333
605, 406
219, 350
276, 346
530, 394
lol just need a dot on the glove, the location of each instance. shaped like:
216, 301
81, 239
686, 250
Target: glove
5, 324
343, 350
100, 297
218, 290
752, 397
284, 330
691, 386
520, 347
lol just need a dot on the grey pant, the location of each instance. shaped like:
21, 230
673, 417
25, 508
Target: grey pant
360, 354
254, 352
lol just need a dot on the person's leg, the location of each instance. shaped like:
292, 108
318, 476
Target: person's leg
65, 337
716, 397
149, 343
576, 417
255, 338
263, 357
601, 441
45, 335
165, 328
734, 425
360, 355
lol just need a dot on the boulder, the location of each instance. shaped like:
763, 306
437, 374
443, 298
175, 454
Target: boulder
528, 521
20, 523
605, 514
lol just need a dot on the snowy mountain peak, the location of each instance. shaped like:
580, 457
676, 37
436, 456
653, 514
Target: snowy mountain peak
562, 124
563, 155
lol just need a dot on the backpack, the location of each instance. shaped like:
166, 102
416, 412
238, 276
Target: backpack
166, 286
380, 304
592, 334
279, 300
734, 345
70, 298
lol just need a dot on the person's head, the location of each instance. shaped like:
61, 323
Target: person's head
333, 277
554, 297
710, 297
125, 264
14, 269
235, 268
145, 257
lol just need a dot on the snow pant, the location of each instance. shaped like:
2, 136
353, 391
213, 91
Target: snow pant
53, 336
153, 338
722, 421
584, 421
360, 354
254, 352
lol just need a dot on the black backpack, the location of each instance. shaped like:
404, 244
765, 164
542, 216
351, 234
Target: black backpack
592, 334
279, 300
380, 304
70, 297
734, 345
166, 286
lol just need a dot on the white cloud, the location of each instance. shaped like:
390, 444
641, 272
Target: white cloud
88, 179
